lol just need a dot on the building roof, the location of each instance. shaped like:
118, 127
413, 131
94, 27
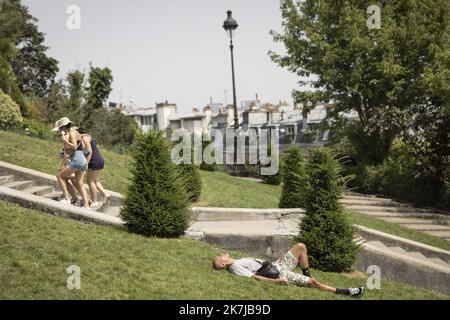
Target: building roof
141, 112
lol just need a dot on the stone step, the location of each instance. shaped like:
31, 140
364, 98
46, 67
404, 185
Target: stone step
377, 244
440, 262
427, 227
404, 220
368, 198
250, 228
55, 195
242, 214
19, 185
401, 253
440, 234
39, 190
378, 203
111, 210
418, 215
398, 249
6, 179
417, 255
405, 267
407, 209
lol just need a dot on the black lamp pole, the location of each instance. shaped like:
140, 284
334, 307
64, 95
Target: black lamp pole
230, 25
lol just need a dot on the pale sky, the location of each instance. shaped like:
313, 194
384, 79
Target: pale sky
173, 50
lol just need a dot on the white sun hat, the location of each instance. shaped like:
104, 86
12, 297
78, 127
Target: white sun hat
60, 123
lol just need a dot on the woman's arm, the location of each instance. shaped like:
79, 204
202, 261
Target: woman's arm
87, 143
71, 140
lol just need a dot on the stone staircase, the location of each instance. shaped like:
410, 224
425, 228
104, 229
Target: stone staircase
418, 265
427, 220
41, 191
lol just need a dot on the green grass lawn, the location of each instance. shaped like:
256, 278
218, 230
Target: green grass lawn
36, 249
219, 189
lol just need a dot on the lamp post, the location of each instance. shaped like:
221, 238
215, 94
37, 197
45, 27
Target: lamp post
230, 25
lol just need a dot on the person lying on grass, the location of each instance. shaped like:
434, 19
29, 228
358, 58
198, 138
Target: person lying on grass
280, 271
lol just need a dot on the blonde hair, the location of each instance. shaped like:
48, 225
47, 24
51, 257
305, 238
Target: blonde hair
215, 263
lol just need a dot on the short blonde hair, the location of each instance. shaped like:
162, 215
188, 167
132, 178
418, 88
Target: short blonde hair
215, 263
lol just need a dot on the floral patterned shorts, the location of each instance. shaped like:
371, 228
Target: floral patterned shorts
285, 265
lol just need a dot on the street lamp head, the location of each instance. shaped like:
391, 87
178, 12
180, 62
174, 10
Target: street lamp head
230, 24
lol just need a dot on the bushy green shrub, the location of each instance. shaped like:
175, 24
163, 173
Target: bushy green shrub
10, 116
294, 180
399, 176
274, 179
325, 230
156, 203
36, 128
192, 181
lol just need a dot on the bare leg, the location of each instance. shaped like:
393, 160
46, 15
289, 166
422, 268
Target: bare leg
71, 188
100, 188
316, 284
63, 177
91, 177
301, 253
79, 175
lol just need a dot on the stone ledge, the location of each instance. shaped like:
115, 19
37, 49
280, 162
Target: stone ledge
46, 179
408, 245
54, 207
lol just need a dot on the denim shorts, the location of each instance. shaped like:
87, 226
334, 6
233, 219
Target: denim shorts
78, 161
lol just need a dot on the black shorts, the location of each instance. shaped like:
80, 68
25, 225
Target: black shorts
96, 164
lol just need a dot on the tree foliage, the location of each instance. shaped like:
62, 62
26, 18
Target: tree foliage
379, 73
294, 180
34, 70
156, 203
324, 229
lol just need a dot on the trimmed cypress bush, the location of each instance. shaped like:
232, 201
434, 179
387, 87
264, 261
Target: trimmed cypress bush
192, 181
156, 203
204, 166
294, 180
191, 178
325, 230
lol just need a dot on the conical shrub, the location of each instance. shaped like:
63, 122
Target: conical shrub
294, 180
156, 203
327, 233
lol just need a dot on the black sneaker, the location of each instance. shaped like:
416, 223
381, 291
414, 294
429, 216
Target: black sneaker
356, 292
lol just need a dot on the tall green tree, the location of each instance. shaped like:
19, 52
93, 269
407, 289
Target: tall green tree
379, 73
12, 20
35, 71
75, 88
98, 90
99, 86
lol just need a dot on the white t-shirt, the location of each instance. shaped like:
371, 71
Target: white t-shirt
245, 267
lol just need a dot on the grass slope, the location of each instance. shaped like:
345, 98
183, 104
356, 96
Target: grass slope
36, 250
